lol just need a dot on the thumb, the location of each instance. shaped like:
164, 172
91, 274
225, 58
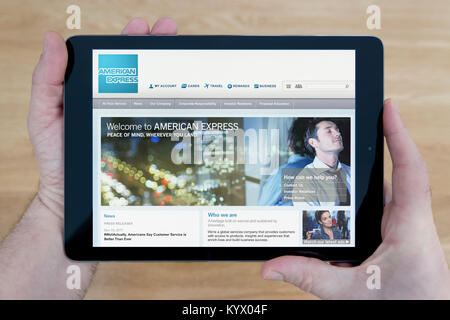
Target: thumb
53, 61
409, 175
310, 275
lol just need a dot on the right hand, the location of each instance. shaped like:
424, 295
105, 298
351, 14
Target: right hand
410, 258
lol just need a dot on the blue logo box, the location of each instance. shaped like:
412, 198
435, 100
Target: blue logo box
117, 73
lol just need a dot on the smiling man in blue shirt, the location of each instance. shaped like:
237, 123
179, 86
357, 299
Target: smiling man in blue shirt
323, 140
316, 144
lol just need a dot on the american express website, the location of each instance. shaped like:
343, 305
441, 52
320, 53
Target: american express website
223, 148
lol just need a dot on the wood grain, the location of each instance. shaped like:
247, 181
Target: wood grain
416, 36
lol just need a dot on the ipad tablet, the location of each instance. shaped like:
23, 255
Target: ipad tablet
223, 147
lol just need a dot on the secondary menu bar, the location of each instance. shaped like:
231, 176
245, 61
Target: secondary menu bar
223, 103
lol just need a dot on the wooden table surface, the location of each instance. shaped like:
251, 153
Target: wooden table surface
416, 37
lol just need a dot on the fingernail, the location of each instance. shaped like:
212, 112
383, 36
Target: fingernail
273, 275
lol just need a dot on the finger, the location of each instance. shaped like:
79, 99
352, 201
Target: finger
342, 264
48, 76
409, 176
387, 193
164, 26
309, 274
137, 26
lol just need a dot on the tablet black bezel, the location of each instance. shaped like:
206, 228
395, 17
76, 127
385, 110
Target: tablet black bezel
78, 146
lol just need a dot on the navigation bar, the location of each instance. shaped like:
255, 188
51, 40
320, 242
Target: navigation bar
185, 104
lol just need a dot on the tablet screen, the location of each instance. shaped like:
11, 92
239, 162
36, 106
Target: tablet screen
223, 148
